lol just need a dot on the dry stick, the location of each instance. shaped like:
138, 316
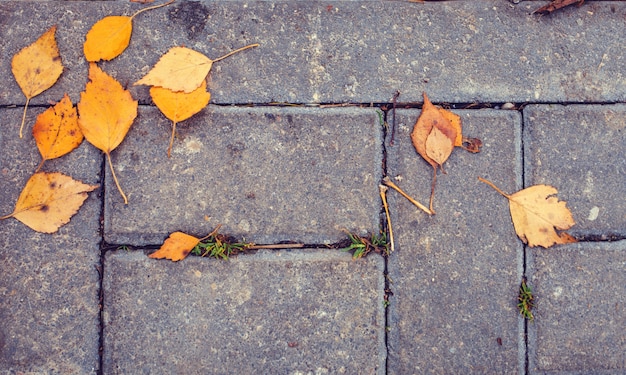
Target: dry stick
388, 182
213, 233
24, 116
235, 51
383, 195
115, 178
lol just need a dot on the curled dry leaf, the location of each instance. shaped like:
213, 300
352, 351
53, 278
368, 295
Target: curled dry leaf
110, 36
537, 215
107, 112
37, 67
56, 130
49, 200
179, 106
182, 69
176, 247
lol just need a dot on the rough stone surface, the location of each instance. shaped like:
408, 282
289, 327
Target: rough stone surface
350, 51
580, 292
286, 312
455, 274
267, 174
580, 150
49, 316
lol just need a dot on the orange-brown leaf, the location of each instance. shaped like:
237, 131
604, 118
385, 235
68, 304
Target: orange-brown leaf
108, 38
56, 130
432, 117
179, 106
49, 200
176, 247
38, 66
438, 146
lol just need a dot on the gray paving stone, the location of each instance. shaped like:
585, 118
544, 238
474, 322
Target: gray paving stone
580, 150
455, 275
351, 51
580, 292
282, 312
49, 282
267, 174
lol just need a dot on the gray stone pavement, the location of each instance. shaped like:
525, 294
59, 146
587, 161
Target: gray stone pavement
444, 302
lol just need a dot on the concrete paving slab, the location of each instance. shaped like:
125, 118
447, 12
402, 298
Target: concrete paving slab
455, 275
49, 283
580, 150
349, 51
580, 292
267, 174
281, 312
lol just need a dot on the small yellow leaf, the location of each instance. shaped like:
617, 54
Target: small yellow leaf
49, 200
176, 247
108, 38
56, 130
179, 106
37, 67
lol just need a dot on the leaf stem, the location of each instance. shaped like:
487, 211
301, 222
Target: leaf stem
24, 116
115, 178
7, 216
388, 182
493, 186
40, 165
213, 233
235, 51
150, 8
383, 195
169, 149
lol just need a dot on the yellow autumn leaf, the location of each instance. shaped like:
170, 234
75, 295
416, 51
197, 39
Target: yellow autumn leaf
49, 200
110, 36
182, 69
106, 113
179, 106
56, 130
37, 67
176, 247
537, 215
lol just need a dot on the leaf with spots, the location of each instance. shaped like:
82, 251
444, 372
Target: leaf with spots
182, 69
179, 106
49, 200
110, 36
537, 215
56, 130
106, 113
37, 67
176, 247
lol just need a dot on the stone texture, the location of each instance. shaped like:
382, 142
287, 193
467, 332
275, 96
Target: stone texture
580, 150
267, 174
282, 312
49, 283
455, 275
350, 51
580, 292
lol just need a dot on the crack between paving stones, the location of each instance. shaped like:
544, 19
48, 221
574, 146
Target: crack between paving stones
100, 269
383, 226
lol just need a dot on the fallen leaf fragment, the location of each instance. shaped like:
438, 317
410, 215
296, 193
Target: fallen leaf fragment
537, 215
37, 67
49, 200
179, 106
110, 36
107, 112
176, 247
56, 130
182, 69
557, 4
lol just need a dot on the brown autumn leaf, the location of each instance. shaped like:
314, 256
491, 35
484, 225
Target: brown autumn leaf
110, 36
107, 112
537, 215
179, 106
37, 67
56, 130
557, 4
182, 69
49, 200
176, 247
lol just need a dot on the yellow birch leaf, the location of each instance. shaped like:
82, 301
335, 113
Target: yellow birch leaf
56, 130
537, 215
106, 113
49, 200
37, 67
110, 36
179, 106
176, 247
